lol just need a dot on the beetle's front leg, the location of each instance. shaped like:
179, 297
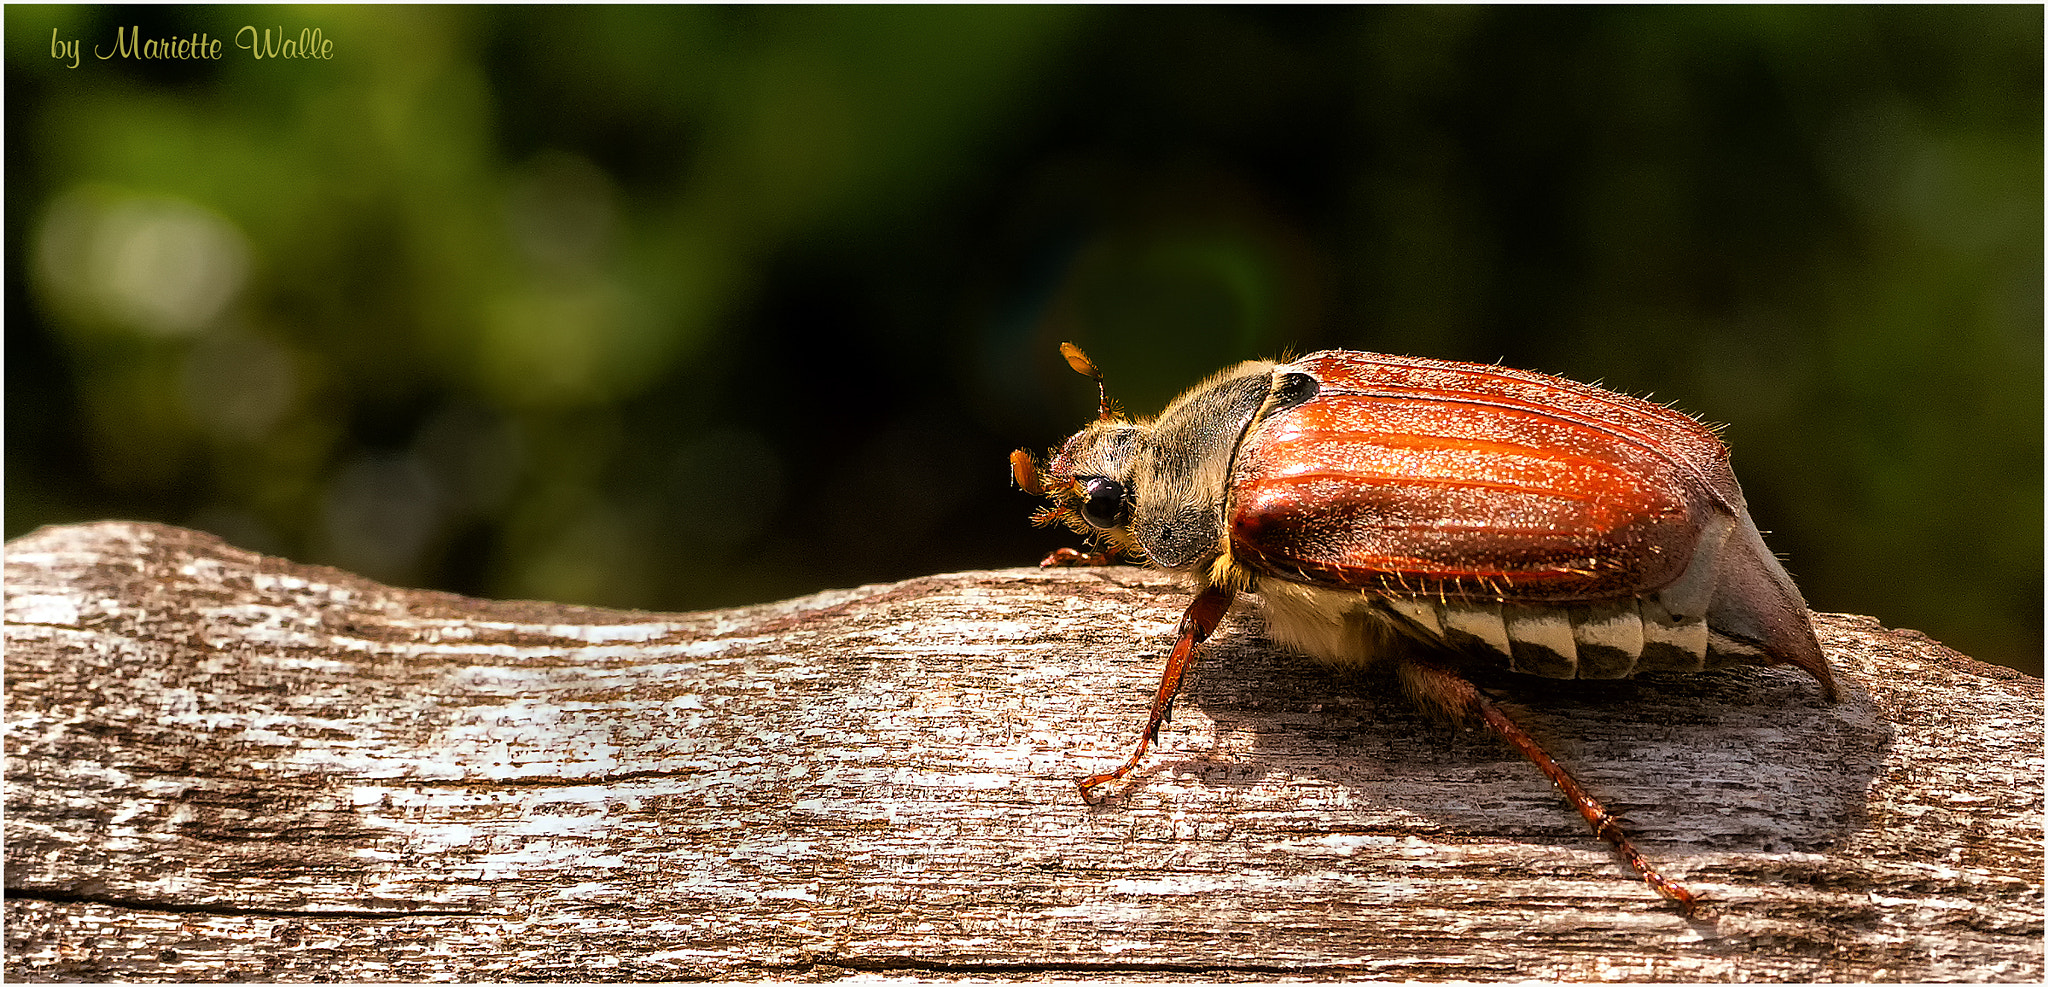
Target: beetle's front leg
1064, 557
1196, 624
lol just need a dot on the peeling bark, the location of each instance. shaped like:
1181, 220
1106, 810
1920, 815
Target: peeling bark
227, 766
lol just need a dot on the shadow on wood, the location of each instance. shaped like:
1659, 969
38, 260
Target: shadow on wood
227, 766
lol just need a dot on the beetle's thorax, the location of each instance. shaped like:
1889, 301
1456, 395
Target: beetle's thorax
1181, 470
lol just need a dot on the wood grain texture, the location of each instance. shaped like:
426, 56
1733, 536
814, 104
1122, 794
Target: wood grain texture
222, 765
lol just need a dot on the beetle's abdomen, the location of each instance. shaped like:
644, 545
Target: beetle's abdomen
1432, 478
1605, 641
1611, 641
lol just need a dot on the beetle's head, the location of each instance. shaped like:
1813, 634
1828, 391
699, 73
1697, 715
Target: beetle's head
1089, 478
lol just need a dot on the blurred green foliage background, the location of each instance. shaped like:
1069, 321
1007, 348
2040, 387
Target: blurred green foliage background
686, 307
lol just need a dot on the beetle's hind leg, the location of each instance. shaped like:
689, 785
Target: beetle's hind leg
1444, 691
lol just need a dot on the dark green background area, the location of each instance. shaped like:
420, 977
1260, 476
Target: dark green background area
686, 307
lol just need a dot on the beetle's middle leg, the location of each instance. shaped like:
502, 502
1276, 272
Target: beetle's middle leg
1196, 624
1444, 690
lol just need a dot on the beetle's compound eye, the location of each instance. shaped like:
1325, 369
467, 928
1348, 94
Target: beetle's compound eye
1102, 502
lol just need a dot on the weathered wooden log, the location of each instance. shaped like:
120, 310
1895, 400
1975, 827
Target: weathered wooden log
226, 766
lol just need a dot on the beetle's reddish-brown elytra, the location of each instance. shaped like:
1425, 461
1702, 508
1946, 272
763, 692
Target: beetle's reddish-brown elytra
1429, 515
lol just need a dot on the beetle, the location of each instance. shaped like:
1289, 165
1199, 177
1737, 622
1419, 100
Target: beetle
1434, 516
